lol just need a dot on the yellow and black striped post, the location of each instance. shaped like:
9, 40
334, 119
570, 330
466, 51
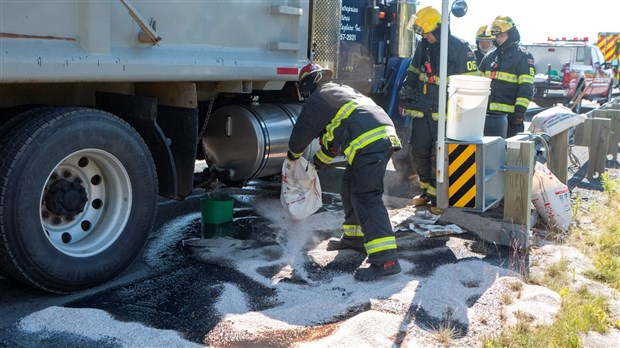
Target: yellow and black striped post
462, 175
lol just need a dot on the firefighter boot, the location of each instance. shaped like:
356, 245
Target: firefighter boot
343, 243
420, 200
375, 271
436, 211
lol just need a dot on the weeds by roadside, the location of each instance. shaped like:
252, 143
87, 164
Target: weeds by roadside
581, 311
445, 333
602, 243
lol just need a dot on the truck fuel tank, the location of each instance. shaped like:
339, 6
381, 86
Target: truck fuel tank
250, 141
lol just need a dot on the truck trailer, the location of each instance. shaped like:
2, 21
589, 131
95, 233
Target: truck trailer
106, 105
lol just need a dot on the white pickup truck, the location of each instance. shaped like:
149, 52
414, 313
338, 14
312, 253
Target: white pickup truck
566, 70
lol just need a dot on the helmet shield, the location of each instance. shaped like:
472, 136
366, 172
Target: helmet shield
425, 21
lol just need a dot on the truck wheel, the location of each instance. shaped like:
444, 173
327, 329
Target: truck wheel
78, 194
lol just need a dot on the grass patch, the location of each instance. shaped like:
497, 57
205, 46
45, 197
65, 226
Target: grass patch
445, 333
602, 242
580, 311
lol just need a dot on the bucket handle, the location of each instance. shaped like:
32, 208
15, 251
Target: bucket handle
452, 91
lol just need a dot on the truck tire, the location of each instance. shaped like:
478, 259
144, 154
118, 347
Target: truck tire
8, 119
78, 193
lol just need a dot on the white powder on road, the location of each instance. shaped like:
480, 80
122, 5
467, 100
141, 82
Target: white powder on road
465, 291
97, 325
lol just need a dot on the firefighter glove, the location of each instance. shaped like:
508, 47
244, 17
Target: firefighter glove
291, 156
517, 117
407, 95
318, 165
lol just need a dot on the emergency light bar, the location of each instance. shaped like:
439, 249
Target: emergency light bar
575, 39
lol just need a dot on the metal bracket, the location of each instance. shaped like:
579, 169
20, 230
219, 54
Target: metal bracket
148, 34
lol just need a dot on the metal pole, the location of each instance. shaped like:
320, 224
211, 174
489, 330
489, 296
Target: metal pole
443, 80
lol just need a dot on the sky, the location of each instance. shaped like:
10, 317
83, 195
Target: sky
537, 19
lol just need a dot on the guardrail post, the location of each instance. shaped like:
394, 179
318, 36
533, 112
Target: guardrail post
520, 154
557, 158
594, 133
614, 129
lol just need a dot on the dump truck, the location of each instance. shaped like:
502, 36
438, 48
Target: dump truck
569, 70
105, 106
609, 43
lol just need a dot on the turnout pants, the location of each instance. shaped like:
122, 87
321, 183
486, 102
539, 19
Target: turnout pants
513, 129
424, 150
366, 217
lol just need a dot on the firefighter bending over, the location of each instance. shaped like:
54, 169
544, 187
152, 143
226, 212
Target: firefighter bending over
346, 122
419, 96
512, 72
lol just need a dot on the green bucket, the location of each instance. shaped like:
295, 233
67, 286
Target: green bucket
216, 210
217, 215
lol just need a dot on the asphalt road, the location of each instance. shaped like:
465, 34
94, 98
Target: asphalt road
165, 284
161, 282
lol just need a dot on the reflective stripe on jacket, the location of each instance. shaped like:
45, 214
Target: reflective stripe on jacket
461, 60
347, 122
512, 73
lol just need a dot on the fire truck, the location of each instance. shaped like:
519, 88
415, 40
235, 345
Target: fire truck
609, 43
105, 106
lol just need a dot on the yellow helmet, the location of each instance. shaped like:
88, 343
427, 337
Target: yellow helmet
501, 24
481, 34
425, 21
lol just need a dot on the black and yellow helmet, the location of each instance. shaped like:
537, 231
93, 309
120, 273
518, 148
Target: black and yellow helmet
501, 24
481, 34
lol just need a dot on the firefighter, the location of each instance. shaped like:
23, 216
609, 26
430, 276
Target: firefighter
346, 122
484, 44
512, 72
419, 96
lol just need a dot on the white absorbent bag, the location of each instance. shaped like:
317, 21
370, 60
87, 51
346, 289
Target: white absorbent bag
301, 190
555, 120
551, 198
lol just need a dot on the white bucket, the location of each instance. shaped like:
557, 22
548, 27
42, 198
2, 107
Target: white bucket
467, 107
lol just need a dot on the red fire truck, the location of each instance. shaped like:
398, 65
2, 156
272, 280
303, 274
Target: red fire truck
609, 43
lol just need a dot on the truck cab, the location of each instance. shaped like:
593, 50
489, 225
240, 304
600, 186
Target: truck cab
569, 71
